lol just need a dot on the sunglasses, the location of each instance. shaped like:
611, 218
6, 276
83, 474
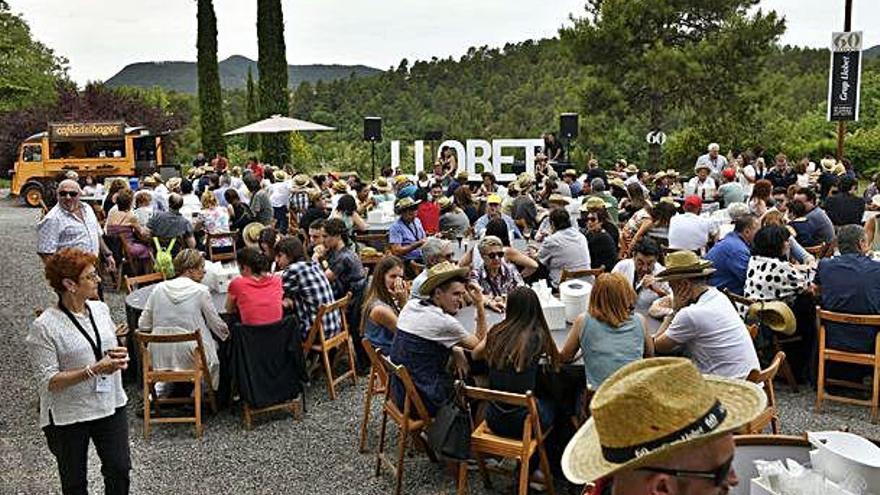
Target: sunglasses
592, 219
718, 476
68, 194
497, 255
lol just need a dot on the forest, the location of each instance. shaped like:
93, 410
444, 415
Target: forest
727, 81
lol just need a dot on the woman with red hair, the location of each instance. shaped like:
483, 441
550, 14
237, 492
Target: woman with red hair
77, 364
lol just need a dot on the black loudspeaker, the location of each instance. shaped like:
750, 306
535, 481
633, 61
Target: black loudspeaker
372, 128
433, 135
568, 125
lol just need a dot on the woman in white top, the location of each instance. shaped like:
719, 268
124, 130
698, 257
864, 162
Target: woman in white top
77, 363
183, 305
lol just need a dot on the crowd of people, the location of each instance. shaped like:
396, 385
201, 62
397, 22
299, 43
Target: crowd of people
668, 249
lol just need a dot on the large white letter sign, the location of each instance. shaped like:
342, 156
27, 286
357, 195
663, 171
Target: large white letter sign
395, 155
473, 159
460, 154
499, 158
419, 153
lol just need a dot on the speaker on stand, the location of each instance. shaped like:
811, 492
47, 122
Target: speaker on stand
373, 133
568, 130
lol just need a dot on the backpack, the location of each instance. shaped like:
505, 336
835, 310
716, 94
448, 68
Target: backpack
164, 261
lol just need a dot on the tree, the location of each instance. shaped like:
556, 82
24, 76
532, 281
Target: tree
210, 101
252, 113
28, 69
272, 66
689, 55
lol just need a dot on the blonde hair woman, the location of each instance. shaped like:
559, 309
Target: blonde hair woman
215, 219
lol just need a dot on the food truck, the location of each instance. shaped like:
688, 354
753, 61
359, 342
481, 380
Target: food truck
99, 149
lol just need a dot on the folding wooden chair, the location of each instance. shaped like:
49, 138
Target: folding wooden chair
195, 376
209, 243
376, 384
484, 441
571, 274
765, 377
134, 283
317, 342
826, 354
411, 421
377, 241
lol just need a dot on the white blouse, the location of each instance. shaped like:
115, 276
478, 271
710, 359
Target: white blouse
55, 345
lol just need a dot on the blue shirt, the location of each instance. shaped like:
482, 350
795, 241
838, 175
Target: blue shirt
480, 225
850, 283
730, 258
406, 234
822, 226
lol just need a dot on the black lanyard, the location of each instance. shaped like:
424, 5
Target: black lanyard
94, 344
413, 231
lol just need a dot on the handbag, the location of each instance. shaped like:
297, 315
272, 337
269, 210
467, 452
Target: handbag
449, 435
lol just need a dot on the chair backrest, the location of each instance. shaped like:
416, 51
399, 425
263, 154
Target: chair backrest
825, 315
375, 357
316, 331
570, 274
268, 362
144, 339
134, 283
532, 427
411, 398
212, 256
766, 376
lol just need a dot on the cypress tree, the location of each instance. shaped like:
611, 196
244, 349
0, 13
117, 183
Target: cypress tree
272, 66
210, 101
253, 142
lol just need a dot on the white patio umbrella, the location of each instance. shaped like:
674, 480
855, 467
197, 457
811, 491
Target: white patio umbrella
278, 123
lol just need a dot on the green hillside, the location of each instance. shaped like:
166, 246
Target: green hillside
181, 76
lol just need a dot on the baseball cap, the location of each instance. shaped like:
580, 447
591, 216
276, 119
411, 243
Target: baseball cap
693, 201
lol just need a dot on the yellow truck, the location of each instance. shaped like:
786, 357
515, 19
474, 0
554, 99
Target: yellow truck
99, 149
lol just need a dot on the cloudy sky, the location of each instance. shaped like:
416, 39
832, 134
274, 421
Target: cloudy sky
99, 37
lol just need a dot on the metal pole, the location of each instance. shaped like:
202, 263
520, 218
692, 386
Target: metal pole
373, 158
841, 126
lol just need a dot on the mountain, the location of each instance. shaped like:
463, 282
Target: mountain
871, 53
181, 76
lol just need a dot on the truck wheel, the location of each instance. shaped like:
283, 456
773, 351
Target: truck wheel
33, 195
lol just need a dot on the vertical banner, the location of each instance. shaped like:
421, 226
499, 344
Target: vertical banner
844, 82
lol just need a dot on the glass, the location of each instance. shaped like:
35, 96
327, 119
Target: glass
592, 218
68, 194
497, 255
718, 476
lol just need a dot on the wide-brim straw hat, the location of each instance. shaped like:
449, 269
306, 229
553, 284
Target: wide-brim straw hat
493, 199
340, 187
570, 173
382, 185
462, 176
659, 175
558, 199
440, 273
149, 181
652, 409
594, 203
173, 183
827, 163
775, 314
617, 182
406, 203
280, 176
701, 166
838, 169
631, 169
251, 234
445, 203
301, 181
685, 264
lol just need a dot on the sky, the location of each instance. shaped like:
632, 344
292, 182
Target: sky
100, 37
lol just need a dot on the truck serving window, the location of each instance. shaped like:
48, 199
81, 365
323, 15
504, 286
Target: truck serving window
32, 153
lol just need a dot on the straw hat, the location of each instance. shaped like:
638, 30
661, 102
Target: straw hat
594, 203
775, 314
301, 181
280, 176
670, 200
382, 185
173, 183
701, 166
828, 163
660, 175
631, 169
158, 177
875, 200
672, 172
617, 182
558, 199
570, 173
445, 203
440, 273
149, 181
401, 180
462, 176
404, 204
651, 409
685, 264
493, 199
251, 234
340, 186
838, 169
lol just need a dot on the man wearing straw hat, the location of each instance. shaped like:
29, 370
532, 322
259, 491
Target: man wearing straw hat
660, 427
703, 321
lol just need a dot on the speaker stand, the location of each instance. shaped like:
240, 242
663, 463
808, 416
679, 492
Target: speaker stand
373, 158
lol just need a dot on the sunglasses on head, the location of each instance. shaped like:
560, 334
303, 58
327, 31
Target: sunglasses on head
68, 194
497, 255
717, 476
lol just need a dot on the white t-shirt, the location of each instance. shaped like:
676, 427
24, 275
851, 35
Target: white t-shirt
747, 174
425, 320
715, 336
564, 249
689, 231
279, 194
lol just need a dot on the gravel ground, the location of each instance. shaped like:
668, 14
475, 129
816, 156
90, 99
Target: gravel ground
280, 455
